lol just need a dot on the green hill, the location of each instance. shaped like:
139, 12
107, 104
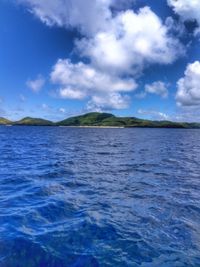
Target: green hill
107, 119
102, 120
4, 121
33, 122
89, 119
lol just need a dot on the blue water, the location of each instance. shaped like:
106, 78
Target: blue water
99, 197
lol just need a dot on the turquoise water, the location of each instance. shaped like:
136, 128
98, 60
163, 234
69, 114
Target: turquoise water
99, 197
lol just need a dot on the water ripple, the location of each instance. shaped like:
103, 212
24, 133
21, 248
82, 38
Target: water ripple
99, 197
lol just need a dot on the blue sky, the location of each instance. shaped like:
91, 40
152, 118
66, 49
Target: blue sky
60, 58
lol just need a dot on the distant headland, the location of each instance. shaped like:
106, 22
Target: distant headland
101, 120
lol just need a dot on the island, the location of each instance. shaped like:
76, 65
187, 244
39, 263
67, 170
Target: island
4, 121
101, 120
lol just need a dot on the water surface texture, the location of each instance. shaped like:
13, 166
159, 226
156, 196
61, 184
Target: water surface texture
73, 197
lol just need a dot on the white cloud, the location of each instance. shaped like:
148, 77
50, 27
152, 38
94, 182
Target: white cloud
70, 93
155, 115
62, 110
188, 93
116, 45
188, 10
86, 77
121, 41
128, 44
37, 84
79, 81
108, 102
122, 48
158, 88
88, 16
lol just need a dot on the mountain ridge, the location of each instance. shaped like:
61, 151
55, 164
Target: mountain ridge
4, 121
97, 119
33, 122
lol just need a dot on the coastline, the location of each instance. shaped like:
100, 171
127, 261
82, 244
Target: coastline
101, 120
102, 127
88, 126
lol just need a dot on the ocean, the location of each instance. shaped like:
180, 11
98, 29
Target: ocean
83, 197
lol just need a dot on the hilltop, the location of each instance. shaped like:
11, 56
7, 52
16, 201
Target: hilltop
89, 119
4, 121
97, 119
33, 122
107, 119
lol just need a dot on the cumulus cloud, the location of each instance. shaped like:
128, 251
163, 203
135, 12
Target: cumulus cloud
154, 114
88, 78
71, 93
87, 16
37, 84
128, 44
158, 88
116, 41
79, 81
108, 102
188, 10
188, 93
121, 41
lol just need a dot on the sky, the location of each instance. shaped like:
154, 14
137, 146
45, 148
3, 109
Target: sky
61, 58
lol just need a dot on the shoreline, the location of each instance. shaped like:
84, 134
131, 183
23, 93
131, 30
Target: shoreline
88, 126
101, 120
101, 127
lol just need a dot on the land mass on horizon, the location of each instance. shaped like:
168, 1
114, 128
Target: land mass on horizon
97, 119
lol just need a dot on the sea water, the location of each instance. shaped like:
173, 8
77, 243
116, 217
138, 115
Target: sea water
73, 197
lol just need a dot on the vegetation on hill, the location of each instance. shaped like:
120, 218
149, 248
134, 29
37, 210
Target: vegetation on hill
89, 119
101, 120
33, 122
4, 121
106, 119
